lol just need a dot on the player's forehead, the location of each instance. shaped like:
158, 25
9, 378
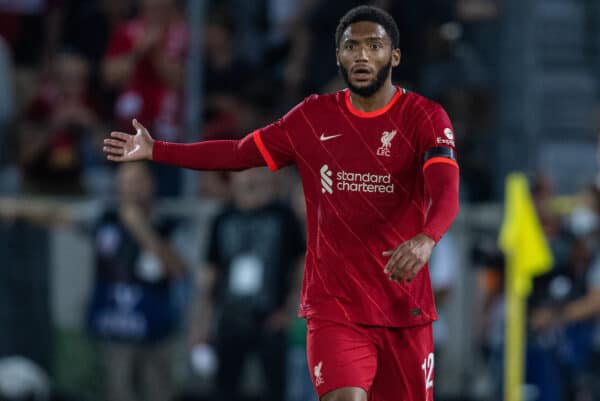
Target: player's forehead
363, 31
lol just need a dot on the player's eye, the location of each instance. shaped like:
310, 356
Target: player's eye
376, 46
348, 46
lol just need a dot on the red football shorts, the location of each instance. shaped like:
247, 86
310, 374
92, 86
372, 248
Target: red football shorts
388, 363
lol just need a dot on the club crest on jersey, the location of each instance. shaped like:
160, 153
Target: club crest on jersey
318, 374
386, 143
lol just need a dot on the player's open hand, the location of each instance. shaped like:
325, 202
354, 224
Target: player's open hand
122, 147
408, 258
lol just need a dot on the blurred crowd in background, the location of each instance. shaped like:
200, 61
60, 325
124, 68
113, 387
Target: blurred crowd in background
160, 324
74, 70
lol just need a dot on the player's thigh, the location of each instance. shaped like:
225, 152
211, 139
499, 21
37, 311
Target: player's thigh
346, 394
340, 356
405, 365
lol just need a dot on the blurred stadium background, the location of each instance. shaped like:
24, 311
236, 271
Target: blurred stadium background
520, 80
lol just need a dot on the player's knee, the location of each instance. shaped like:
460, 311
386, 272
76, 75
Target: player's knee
346, 394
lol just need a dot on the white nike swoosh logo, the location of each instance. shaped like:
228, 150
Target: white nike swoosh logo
326, 138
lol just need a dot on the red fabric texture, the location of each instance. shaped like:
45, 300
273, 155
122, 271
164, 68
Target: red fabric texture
389, 363
209, 155
441, 183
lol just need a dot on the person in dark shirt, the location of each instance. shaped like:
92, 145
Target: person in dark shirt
255, 249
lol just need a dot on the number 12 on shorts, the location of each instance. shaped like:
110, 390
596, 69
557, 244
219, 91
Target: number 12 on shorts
427, 367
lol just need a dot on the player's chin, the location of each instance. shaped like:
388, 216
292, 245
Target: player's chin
362, 83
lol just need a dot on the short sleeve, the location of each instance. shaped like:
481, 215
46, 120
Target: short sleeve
275, 141
436, 137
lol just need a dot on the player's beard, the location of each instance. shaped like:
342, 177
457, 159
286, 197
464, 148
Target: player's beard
374, 86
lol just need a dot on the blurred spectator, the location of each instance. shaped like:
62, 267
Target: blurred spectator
145, 62
567, 302
132, 309
584, 219
86, 30
58, 122
32, 28
261, 26
254, 255
225, 69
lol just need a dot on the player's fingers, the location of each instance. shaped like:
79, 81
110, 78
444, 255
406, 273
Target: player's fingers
114, 158
113, 150
121, 135
114, 142
414, 270
396, 265
137, 125
402, 268
389, 266
396, 255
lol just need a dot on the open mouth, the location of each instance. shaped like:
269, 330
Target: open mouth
361, 73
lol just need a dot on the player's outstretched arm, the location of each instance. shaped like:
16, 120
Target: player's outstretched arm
122, 147
203, 155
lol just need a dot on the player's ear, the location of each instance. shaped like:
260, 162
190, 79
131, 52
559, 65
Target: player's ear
396, 55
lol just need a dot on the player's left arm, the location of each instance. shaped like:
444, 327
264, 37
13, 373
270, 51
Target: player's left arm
441, 180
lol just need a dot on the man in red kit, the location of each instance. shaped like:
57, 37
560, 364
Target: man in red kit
380, 179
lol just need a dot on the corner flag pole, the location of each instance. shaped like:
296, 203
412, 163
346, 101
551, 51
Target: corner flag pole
527, 254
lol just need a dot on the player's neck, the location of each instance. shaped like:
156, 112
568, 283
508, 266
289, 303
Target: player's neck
376, 101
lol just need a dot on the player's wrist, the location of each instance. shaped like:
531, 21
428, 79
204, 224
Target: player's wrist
156, 147
428, 238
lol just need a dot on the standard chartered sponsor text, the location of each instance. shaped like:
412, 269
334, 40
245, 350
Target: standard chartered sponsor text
364, 182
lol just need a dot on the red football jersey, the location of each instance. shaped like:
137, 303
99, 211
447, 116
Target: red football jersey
362, 174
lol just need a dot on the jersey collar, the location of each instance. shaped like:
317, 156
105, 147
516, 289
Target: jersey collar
374, 113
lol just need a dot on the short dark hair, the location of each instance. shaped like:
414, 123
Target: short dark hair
372, 14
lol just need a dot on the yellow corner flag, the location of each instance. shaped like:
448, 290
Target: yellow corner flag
527, 254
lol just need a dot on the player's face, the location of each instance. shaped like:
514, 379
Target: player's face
365, 57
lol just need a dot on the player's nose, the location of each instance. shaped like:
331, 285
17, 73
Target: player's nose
361, 55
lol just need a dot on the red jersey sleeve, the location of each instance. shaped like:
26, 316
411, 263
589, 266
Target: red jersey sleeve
436, 137
275, 141
440, 169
